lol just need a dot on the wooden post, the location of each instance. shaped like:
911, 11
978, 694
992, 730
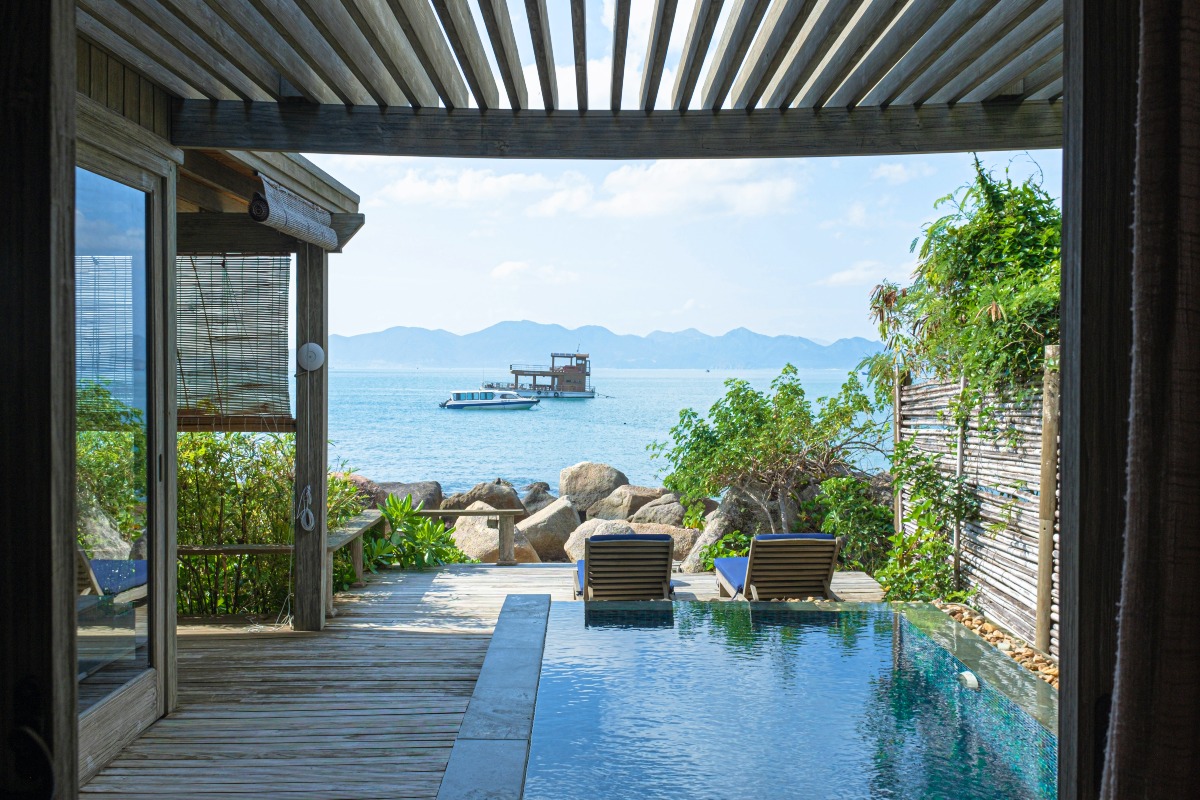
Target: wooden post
1048, 498
507, 556
312, 426
1101, 66
960, 462
38, 723
899, 381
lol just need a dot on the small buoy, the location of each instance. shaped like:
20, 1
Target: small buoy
968, 679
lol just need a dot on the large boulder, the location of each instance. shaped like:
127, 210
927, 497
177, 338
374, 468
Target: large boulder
587, 482
497, 494
548, 530
744, 513
574, 544
666, 510
477, 540
426, 493
684, 538
624, 502
368, 490
537, 496
717, 526
99, 535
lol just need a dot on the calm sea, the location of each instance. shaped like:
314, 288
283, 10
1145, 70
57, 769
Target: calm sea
387, 426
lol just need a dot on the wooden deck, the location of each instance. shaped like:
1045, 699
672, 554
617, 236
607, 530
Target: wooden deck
368, 708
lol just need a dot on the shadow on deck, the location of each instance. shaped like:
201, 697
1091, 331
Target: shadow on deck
367, 708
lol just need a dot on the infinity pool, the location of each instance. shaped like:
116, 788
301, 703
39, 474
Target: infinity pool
723, 700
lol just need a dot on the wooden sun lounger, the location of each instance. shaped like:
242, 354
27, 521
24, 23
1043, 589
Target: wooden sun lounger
625, 567
780, 567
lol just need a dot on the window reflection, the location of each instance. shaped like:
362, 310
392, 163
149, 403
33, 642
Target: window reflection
112, 414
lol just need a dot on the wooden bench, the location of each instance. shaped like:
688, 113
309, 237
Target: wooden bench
350, 534
505, 525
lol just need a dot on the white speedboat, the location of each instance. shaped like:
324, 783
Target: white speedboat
489, 399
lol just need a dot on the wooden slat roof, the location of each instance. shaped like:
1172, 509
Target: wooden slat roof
424, 65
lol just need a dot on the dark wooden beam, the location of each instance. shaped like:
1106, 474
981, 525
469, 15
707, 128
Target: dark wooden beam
1097, 332
620, 48
579, 39
297, 127
312, 434
38, 722
237, 233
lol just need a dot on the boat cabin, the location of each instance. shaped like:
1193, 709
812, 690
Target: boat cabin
569, 374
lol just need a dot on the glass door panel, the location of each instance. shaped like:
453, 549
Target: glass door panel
112, 435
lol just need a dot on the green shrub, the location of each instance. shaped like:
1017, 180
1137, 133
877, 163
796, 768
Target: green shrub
849, 510
419, 542
731, 544
110, 458
236, 488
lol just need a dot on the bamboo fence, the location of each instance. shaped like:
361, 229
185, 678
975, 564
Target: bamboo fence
997, 554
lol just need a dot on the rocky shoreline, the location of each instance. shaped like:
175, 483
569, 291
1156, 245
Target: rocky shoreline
592, 498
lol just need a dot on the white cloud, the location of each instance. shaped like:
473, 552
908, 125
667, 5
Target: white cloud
459, 188
896, 173
866, 273
525, 272
855, 217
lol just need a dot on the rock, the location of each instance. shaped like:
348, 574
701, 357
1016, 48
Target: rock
428, 493
548, 530
744, 513
473, 536
368, 489
138, 550
717, 527
574, 545
1005, 646
100, 536
537, 496
666, 510
588, 482
624, 502
684, 538
496, 494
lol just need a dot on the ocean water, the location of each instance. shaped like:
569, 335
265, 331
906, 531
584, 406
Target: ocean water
387, 426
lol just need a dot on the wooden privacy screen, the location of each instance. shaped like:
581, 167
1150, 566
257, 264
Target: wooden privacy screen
233, 350
998, 552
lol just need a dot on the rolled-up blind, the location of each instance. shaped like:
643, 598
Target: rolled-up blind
287, 211
232, 343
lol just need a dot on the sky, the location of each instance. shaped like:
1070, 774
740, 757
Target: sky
779, 246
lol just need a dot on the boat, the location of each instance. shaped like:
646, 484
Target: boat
569, 377
488, 400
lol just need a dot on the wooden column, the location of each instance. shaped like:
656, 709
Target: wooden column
1100, 107
899, 381
37, 398
506, 555
1047, 498
312, 435
960, 448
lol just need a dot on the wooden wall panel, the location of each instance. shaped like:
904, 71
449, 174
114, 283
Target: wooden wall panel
109, 81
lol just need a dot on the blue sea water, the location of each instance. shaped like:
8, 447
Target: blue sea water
387, 426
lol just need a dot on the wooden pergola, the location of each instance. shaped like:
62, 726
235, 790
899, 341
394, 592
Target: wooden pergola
757, 78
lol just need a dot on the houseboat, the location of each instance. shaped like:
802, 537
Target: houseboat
569, 376
486, 399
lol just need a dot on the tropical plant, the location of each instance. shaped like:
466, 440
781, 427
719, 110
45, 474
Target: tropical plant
110, 458
920, 562
731, 544
848, 509
768, 444
237, 488
419, 542
984, 301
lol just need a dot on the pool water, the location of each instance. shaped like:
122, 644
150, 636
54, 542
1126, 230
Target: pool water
723, 700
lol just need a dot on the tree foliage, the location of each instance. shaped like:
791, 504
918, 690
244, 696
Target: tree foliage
984, 301
769, 444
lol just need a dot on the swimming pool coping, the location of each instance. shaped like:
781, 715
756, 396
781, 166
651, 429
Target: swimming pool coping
489, 756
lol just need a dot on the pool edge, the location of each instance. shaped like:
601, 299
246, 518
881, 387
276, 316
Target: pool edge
490, 753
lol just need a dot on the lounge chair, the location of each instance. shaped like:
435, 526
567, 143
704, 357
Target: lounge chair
781, 566
124, 580
626, 566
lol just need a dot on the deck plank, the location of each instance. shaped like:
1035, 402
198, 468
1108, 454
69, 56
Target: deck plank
367, 708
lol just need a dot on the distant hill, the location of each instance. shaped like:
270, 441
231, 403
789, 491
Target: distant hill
531, 343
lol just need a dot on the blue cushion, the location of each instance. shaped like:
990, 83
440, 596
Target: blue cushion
118, 575
579, 566
733, 570
769, 536
631, 537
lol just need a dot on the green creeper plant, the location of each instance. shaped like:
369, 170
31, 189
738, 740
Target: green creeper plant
419, 542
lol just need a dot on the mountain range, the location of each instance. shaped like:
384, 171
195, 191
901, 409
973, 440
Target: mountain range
531, 343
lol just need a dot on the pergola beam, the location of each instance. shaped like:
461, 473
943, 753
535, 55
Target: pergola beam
695, 48
776, 34
425, 35
579, 40
731, 50
662, 20
620, 47
464, 38
543, 51
504, 43
297, 127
